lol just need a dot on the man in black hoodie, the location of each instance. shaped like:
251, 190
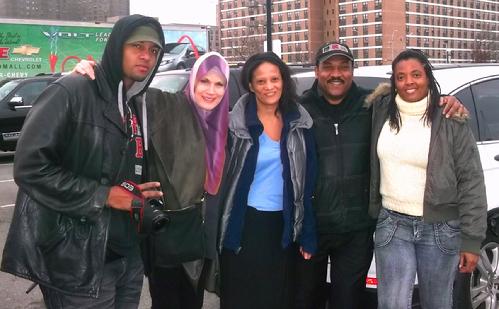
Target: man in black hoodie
78, 160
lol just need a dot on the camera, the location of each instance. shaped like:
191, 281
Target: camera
154, 215
148, 216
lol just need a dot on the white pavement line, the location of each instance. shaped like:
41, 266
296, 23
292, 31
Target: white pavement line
7, 180
8, 205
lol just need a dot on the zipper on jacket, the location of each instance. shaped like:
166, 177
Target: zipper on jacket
337, 141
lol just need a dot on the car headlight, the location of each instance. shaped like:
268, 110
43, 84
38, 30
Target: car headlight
163, 62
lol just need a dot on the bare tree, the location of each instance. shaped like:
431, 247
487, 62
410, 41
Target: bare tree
485, 47
247, 46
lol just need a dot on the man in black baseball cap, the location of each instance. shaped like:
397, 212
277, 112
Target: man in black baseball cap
332, 49
342, 126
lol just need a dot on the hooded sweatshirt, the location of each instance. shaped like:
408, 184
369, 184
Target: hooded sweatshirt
131, 104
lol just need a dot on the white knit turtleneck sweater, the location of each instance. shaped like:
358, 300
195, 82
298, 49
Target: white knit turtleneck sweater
403, 158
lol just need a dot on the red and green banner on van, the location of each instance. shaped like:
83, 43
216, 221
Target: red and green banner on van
29, 49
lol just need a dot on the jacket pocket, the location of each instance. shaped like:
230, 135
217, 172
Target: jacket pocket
67, 254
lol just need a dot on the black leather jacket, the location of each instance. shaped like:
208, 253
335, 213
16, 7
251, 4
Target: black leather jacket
70, 153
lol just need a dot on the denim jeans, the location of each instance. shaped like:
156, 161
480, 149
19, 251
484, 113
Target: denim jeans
120, 289
406, 246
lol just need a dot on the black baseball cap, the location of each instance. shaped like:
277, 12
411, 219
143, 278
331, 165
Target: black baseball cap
330, 49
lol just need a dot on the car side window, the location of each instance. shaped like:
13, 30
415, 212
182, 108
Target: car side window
30, 91
201, 50
487, 107
466, 97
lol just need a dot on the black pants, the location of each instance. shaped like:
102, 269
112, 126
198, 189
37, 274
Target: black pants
261, 274
351, 255
170, 289
121, 287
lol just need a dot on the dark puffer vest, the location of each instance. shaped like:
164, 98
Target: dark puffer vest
342, 133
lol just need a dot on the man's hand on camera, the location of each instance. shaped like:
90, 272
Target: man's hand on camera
121, 199
85, 67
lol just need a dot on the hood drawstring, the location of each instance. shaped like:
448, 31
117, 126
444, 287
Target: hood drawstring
144, 113
144, 121
120, 100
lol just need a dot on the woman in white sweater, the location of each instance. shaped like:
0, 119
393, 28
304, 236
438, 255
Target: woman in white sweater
427, 190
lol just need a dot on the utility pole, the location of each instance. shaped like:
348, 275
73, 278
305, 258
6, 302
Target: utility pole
268, 7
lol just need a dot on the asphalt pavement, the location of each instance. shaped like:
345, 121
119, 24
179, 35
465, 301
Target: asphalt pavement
13, 289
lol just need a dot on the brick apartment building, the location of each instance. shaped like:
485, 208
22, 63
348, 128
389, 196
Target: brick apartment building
297, 24
213, 38
376, 30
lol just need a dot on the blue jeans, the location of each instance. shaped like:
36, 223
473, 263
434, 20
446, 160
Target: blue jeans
120, 288
406, 246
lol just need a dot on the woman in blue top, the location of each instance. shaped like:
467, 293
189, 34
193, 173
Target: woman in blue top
266, 194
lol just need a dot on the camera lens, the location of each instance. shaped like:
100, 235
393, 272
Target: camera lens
158, 217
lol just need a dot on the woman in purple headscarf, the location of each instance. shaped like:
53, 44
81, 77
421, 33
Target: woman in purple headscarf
209, 95
188, 137
185, 152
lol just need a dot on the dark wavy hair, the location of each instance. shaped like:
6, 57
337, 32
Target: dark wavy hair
434, 88
288, 99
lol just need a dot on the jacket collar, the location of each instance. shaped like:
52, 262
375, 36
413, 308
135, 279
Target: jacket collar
238, 122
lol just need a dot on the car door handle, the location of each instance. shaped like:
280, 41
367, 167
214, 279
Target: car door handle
496, 157
22, 107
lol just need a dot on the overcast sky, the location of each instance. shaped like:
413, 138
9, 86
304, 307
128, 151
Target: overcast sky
201, 12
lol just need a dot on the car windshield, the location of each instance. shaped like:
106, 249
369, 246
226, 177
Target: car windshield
171, 82
7, 88
177, 49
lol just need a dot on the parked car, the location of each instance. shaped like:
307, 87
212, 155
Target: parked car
179, 56
16, 98
477, 87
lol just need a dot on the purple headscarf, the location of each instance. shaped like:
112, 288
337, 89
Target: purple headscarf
215, 123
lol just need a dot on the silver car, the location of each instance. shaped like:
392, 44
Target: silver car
179, 56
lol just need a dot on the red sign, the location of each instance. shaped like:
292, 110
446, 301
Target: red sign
4, 52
